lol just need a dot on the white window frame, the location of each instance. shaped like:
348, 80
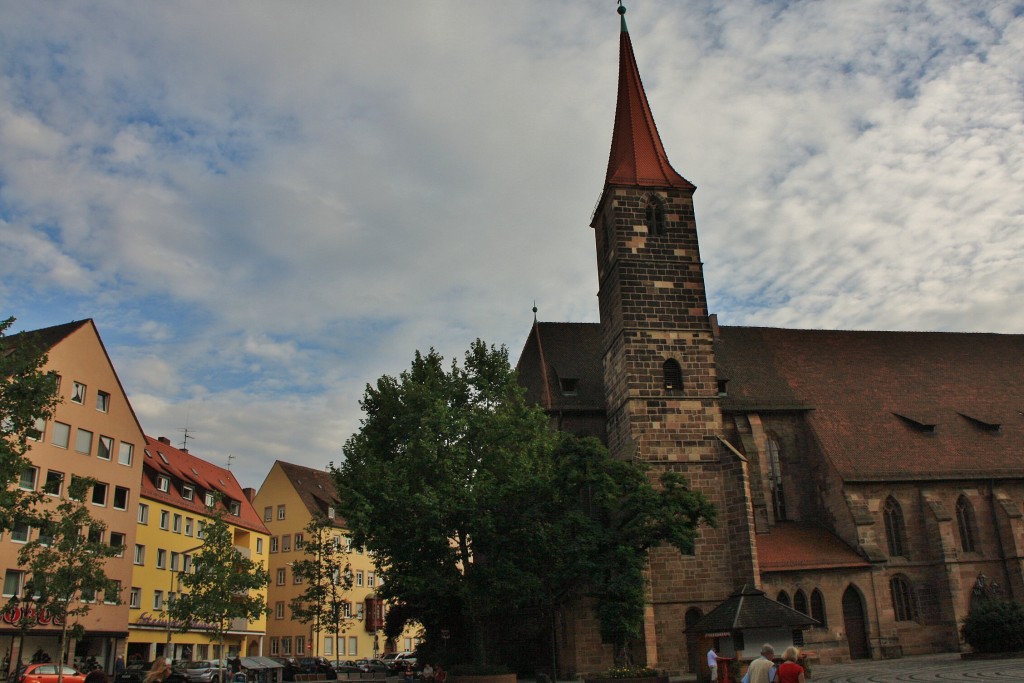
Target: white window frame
188, 492
105, 442
34, 471
60, 429
124, 453
139, 558
103, 401
143, 517
127, 497
78, 393
79, 446
165, 520
135, 598
163, 483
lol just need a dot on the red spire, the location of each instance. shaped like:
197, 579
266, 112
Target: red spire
637, 156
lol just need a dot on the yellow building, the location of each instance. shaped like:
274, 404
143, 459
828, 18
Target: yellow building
94, 433
288, 500
177, 491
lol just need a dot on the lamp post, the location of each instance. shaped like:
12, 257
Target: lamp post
174, 574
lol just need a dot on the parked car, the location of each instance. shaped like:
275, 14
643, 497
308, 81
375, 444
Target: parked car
208, 671
372, 665
136, 672
48, 673
399, 661
347, 666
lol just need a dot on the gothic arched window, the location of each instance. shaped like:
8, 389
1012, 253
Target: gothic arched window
800, 602
967, 525
902, 598
895, 532
655, 217
783, 599
775, 479
673, 374
818, 607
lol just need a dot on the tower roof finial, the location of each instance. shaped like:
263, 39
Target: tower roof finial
622, 14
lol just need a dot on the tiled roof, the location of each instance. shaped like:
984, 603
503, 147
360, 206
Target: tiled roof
182, 466
556, 351
750, 608
316, 489
47, 337
637, 155
888, 405
793, 546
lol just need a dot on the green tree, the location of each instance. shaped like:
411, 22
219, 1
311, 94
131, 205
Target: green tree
26, 394
222, 584
475, 510
67, 560
327, 576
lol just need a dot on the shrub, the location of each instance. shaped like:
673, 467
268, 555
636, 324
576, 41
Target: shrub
629, 672
995, 626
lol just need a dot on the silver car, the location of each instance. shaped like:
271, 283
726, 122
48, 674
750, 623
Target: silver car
208, 671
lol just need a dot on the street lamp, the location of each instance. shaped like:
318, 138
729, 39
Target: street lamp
174, 574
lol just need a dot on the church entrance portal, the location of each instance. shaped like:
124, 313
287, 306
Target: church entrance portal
856, 624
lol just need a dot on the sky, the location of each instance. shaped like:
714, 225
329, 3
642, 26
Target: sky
267, 205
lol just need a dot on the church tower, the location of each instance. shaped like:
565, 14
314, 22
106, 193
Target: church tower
661, 389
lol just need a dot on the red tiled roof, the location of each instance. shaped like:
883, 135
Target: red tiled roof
792, 546
637, 156
183, 467
888, 405
316, 489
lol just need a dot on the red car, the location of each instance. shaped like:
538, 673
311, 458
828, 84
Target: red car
47, 673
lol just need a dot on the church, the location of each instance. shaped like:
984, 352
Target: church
873, 481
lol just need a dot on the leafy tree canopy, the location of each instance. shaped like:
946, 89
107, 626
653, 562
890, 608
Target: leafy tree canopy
26, 394
327, 578
475, 509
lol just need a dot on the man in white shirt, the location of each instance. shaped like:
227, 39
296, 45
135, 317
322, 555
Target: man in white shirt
713, 663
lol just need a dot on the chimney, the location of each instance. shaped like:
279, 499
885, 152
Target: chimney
713, 319
164, 439
249, 493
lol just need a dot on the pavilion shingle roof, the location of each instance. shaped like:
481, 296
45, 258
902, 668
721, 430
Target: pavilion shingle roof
793, 546
748, 608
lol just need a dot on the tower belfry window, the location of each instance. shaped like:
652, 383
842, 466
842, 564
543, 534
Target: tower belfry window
655, 217
673, 374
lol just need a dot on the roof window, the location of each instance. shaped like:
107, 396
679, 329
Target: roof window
984, 425
568, 385
920, 424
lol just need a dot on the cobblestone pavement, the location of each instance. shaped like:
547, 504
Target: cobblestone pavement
946, 667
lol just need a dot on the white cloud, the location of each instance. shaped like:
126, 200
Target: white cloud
267, 206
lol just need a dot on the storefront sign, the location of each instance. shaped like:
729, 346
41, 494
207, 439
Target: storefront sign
19, 616
147, 619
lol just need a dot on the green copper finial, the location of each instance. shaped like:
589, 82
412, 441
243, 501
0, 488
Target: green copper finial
622, 14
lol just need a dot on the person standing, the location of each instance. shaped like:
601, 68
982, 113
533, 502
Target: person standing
789, 671
760, 670
713, 663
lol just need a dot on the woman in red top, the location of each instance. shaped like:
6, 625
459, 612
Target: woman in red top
789, 671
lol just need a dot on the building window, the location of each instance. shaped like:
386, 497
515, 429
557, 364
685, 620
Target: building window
329, 645
298, 541
158, 600
188, 526
38, 430
83, 441
163, 483
279, 609
330, 515
268, 513
280, 511
359, 577
200, 529
54, 483
775, 479
235, 508
259, 546
99, 494
188, 492
902, 599
370, 579
273, 544
117, 541
124, 453
161, 558
140, 554
143, 513
655, 217
102, 401
29, 479
20, 532
300, 644
111, 597
61, 435
121, 498
286, 543
275, 647
783, 599
165, 520
895, 532
209, 499
13, 580
78, 393
281, 572
286, 645
800, 602
296, 578
818, 607
568, 385
176, 525
673, 374
360, 611
967, 524
105, 448
135, 598
175, 561
353, 645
